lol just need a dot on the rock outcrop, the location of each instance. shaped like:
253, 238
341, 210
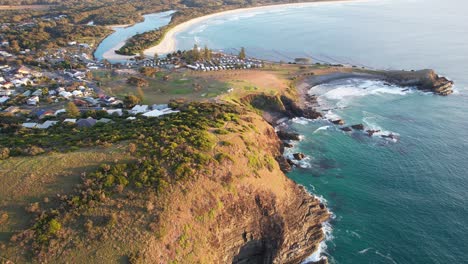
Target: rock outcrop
426, 80
298, 156
243, 211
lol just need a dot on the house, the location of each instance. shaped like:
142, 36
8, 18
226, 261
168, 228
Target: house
5, 92
46, 124
156, 113
88, 122
138, 109
24, 70
27, 93
72, 43
91, 101
65, 94
38, 92
60, 111
70, 120
12, 109
29, 125
8, 85
77, 93
104, 120
2, 80
33, 100
3, 99
118, 112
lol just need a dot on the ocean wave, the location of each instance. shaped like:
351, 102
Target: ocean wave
344, 92
321, 128
300, 120
364, 250
385, 256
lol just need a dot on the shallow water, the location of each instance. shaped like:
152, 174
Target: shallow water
152, 21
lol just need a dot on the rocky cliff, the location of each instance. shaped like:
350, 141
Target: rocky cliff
243, 211
424, 80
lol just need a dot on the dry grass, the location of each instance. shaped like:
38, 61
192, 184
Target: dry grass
22, 7
24, 180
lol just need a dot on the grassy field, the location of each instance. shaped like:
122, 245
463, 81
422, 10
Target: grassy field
26, 180
22, 7
181, 84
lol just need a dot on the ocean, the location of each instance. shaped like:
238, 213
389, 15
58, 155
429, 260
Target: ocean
393, 201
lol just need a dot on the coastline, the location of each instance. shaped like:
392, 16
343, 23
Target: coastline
168, 42
111, 55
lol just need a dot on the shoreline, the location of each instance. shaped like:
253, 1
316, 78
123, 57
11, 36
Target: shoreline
168, 42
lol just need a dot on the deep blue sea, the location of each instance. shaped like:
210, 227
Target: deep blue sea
394, 201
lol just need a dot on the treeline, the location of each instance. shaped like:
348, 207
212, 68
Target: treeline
48, 34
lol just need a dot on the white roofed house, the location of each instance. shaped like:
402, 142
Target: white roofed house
5, 92
33, 100
46, 124
139, 109
3, 99
24, 70
2, 80
8, 85
65, 94
38, 92
77, 93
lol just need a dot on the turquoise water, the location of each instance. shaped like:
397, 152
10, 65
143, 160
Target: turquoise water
394, 202
152, 21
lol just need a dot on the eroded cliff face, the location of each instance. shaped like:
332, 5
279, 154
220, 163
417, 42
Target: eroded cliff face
243, 211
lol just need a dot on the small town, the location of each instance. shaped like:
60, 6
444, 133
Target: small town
57, 86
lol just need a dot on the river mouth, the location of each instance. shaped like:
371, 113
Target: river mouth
116, 40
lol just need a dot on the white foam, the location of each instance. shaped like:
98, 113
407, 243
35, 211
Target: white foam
321, 128
385, 256
330, 115
364, 250
345, 91
327, 230
300, 120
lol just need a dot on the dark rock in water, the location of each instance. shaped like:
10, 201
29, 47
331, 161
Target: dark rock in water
371, 132
405, 90
391, 136
284, 164
358, 127
287, 145
290, 162
283, 135
298, 156
338, 122
311, 113
346, 129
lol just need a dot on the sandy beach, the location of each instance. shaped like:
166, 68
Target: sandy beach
169, 44
112, 56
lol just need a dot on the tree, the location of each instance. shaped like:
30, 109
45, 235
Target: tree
131, 100
242, 54
195, 53
72, 110
207, 53
140, 94
156, 56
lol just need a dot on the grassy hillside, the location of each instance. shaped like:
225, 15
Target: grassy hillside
170, 193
